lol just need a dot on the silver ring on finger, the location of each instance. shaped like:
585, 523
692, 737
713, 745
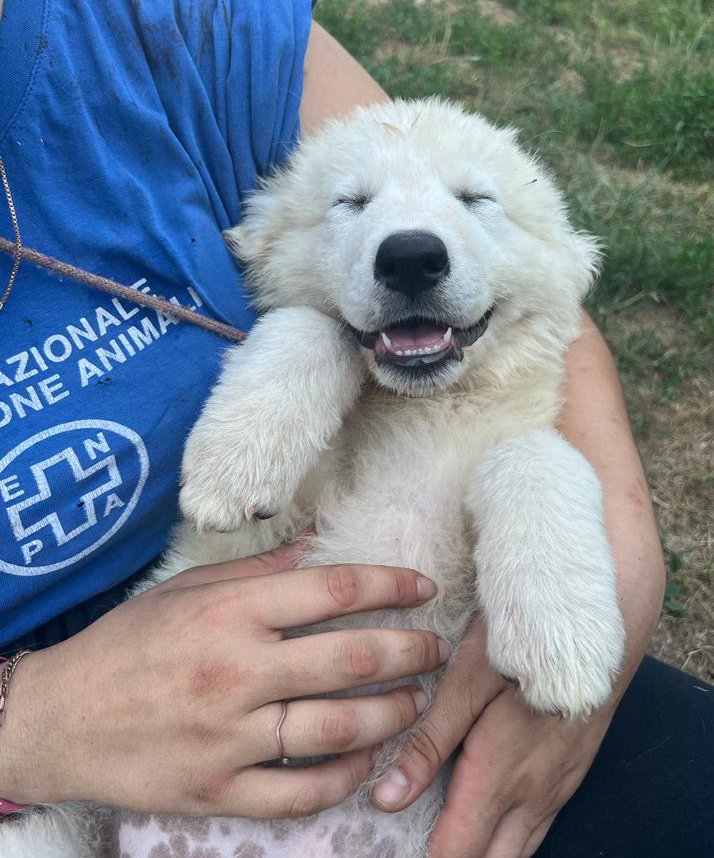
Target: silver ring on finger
283, 758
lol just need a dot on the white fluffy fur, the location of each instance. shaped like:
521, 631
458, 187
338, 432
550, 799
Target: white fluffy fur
465, 479
55, 831
288, 432
561, 636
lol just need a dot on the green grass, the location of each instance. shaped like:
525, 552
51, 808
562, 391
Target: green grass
618, 98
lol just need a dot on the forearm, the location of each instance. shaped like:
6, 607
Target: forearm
594, 420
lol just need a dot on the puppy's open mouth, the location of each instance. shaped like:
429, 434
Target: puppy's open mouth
418, 342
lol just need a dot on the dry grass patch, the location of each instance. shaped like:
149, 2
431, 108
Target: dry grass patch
496, 12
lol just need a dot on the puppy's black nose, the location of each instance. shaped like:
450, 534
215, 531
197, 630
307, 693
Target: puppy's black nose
411, 262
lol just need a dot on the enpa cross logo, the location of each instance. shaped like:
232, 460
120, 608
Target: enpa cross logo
65, 492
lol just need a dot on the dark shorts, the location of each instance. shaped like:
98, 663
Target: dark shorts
650, 791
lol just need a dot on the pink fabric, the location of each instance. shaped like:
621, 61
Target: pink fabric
7, 807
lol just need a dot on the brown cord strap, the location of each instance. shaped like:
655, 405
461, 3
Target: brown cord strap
64, 269
104, 284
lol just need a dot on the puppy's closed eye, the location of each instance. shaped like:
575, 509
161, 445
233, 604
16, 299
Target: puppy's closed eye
355, 202
472, 198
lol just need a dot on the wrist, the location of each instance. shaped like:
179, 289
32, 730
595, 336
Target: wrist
8, 666
24, 746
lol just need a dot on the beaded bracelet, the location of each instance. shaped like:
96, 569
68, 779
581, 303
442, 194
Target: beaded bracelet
9, 666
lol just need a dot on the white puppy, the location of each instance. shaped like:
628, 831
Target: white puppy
421, 283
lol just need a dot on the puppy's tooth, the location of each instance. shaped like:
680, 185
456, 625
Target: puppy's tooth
447, 336
385, 339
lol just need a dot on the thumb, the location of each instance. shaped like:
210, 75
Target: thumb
428, 747
467, 687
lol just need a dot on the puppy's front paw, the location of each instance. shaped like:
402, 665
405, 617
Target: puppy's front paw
228, 482
208, 498
280, 400
546, 579
563, 661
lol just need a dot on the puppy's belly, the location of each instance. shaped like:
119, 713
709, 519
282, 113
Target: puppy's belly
347, 831
404, 507
396, 505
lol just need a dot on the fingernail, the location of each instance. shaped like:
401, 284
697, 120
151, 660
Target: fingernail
444, 650
420, 700
392, 789
426, 588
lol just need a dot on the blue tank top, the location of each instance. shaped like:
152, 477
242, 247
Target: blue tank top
130, 132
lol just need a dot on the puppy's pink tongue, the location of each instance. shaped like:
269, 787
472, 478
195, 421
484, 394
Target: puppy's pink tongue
410, 339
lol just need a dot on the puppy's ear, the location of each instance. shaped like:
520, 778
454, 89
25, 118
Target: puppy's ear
237, 242
252, 238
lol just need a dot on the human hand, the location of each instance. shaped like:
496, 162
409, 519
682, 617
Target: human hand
169, 703
516, 768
